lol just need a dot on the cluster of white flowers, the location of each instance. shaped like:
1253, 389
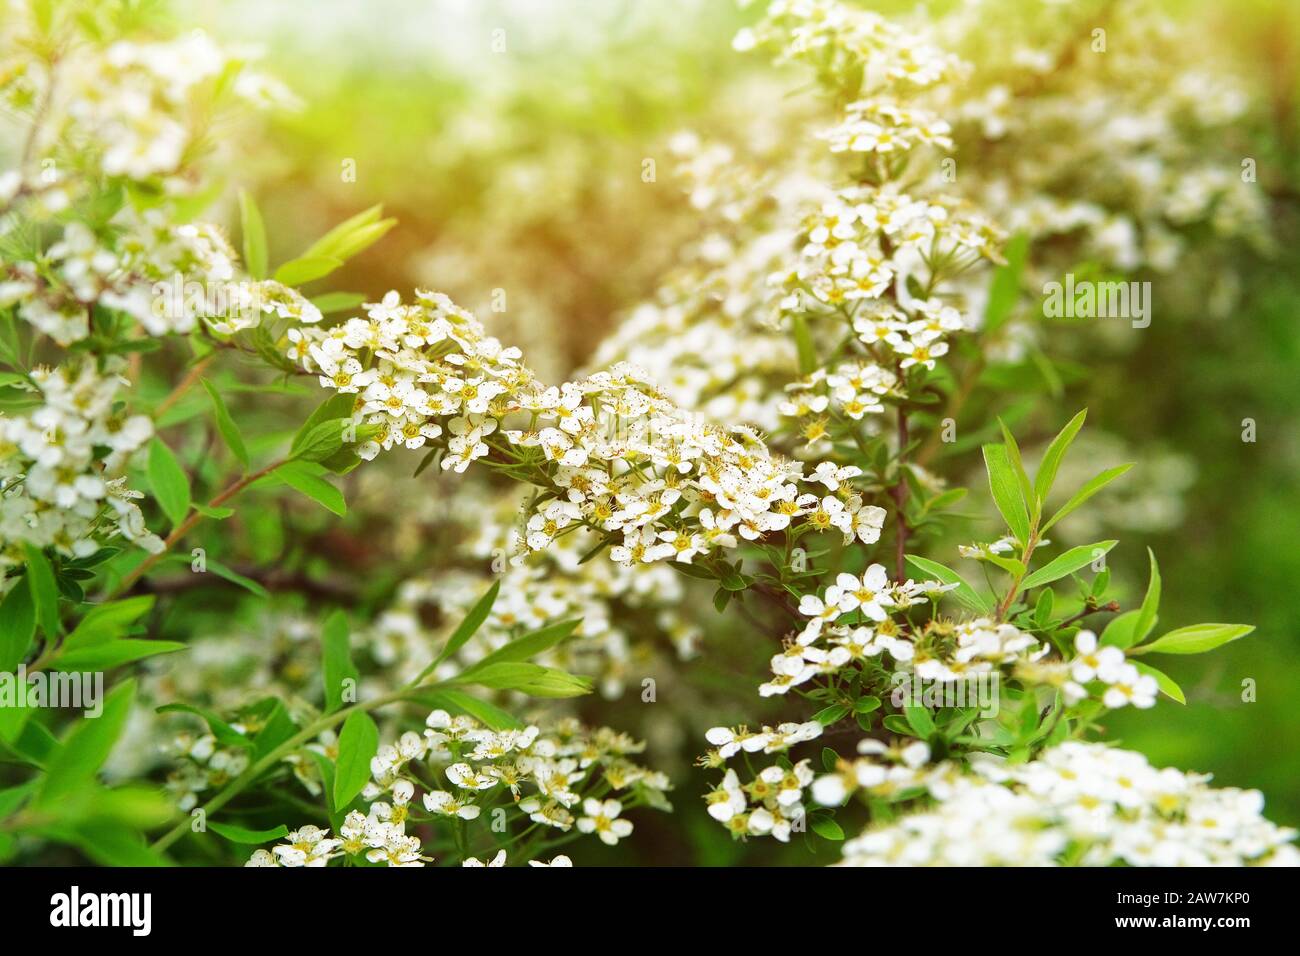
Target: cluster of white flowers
619, 456
138, 108
165, 276
1109, 151
1121, 682
559, 778
202, 764
866, 243
1077, 803
853, 256
61, 465
837, 39
771, 804
824, 646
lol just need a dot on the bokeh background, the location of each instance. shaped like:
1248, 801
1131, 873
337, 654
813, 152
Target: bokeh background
508, 138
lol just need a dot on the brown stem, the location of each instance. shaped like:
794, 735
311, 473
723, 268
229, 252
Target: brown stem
196, 370
186, 526
1112, 606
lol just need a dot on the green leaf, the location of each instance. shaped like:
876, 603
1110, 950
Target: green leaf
86, 746
1005, 288
359, 240
44, 591
304, 477
245, 836
1167, 685
17, 626
527, 647
277, 727
216, 514
332, 302
829, 715
963, 592
1043, 609
108, 621
307, 269
168, 481
102, 657
456, 701
918, 718
826, 828
323, 440
114, 845
226, 425
1146, 620
250, 224
336, 659
1120, 631
337, 238
358, 743
1090, 488
1051, 462
1005, 487
532, 679
1070, 561
234, 577
465, 629
1196, 639
339, 405
1022, 476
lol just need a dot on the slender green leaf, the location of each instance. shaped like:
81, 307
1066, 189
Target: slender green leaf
86, 746
1051, 462
304, 477
108, 621
226, 425
169, 482
358, 743
307, 269
1070, 561
1018, 465
456, 701
1146, 620
234, 577
102, 657
465, 629
1167, 685
332, 302
1005, 487
527, 647
336, 658
245, 836
17, 626
826, 828
43, 590
1090, 488
1120, 631
1196, 639
330, 243
963, 592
